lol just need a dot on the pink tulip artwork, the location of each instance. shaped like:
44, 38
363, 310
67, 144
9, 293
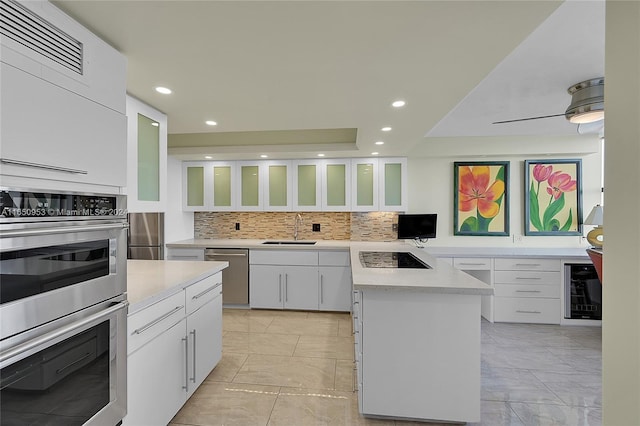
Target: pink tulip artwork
553, 197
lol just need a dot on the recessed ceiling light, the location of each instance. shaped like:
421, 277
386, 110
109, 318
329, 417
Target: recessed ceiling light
163, 90
211, 123
398, 104
320, 155
375, 153
155, 124
386, 129
380, 143
264, 156
208, 157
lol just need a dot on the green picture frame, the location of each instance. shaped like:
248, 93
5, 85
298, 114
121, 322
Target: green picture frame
553, 197
481, 198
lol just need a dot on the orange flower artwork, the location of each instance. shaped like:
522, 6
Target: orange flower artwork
481, 198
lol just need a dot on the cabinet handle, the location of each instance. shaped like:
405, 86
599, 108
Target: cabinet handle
471, 264
286, 287
528, 291
528, 312
321, 290
186, 364
527, 264
279, 287
528, 278
193, 379
184, 256
43, 166
227, 254
199, 295
157, 320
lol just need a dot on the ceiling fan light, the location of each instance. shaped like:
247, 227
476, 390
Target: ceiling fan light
587, 101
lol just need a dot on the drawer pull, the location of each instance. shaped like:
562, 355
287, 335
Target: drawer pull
528, 312
184, 256
471, 264
202, 293
43, 166
157, 320
527, 264
528, 291
528, 278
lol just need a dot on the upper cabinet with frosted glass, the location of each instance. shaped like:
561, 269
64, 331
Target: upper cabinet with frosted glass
278, 185
368, 184
146, 158
392, 184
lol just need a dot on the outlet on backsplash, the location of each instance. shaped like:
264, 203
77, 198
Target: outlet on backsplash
237, 226
316, 227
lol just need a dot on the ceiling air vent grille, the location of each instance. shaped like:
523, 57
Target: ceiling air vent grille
30, 30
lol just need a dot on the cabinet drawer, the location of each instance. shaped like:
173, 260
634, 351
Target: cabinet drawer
470, 263
148, 323
526, 277
515, 264
283, 257
203, 291
528, 310
334, 258
527, 290
186, 254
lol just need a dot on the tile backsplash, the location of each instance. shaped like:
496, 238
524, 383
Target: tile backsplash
374, 226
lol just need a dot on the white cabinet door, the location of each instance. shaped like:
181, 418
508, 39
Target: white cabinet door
364, 184
156, 379
336, 185
196, 186
392, 173
249, 190
224, 178
63, 136
307, 185
146, 158
277, 186
335, 288
301, 287
204, 331
266, 286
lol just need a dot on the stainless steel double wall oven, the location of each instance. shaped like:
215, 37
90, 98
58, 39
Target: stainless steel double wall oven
63, 308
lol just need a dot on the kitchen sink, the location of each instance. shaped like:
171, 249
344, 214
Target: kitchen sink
301, 243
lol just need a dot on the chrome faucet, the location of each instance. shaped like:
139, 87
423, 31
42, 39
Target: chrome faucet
295, 227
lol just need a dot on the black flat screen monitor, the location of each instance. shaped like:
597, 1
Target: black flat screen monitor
412, 226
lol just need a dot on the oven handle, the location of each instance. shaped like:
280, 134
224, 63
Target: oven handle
64, 230
47, 337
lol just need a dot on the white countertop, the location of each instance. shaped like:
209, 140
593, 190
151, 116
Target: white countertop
149, 281
569, 252
442, 278
258, 244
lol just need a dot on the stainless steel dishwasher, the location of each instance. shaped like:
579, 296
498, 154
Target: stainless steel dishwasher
235, 278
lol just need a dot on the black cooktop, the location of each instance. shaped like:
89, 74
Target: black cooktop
391, 259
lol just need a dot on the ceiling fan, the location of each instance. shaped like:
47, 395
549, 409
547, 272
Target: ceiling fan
586, 108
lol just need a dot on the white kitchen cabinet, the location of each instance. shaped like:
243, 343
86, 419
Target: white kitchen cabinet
335, 281
156, 381
527, 290
249, 190
307, 185
196, 186
51, 133
482, 269
146, 158
172, 347
62, 123
224, 179
364, 184
278, 186
283, 287
336, 185
392, 184
185, 254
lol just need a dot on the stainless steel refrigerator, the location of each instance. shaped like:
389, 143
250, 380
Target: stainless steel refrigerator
146, 236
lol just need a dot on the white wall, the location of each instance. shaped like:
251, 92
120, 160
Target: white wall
621, 262
178, 224
430, 172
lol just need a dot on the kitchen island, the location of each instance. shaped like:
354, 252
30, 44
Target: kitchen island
174, 335
417, 338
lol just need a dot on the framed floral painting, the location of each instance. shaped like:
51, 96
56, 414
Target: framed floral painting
481, 198
553, 197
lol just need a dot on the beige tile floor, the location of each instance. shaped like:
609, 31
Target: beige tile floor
296, 369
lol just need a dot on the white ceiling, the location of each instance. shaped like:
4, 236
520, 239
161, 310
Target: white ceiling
272, 65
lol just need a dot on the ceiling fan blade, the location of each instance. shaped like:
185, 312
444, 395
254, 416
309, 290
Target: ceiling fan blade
527, 119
